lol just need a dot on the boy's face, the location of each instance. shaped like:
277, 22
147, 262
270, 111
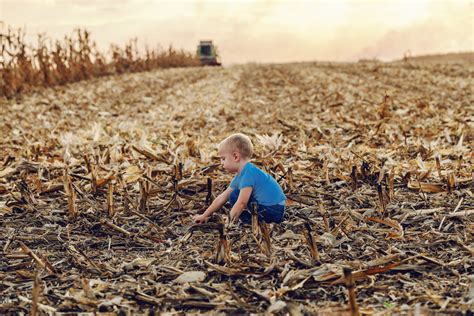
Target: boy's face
229, 159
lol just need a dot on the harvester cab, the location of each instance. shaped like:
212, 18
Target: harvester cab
207, 53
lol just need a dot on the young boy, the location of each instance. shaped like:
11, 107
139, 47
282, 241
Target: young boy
250, 184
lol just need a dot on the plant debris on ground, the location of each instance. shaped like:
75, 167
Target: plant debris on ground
99, 180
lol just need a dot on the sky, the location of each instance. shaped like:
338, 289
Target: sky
260, 31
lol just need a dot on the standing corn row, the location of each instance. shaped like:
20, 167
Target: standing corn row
75, 58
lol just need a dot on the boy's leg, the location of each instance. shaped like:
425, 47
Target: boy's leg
271, 214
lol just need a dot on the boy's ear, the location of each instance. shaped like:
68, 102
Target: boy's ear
236, 156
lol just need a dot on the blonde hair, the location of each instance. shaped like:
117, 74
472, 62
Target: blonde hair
239, 142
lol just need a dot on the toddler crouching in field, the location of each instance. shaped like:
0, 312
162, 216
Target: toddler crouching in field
249, 185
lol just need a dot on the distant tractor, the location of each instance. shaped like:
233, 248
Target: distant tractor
207, 53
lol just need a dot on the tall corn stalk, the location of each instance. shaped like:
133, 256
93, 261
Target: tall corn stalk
74, 58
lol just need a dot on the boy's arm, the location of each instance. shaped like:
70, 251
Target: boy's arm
241, 203
218, 202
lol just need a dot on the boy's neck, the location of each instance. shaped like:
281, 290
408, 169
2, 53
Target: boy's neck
242, 164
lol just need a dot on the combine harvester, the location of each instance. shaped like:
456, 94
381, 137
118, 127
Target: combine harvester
207, 54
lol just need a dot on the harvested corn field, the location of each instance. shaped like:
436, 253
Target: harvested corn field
99, 180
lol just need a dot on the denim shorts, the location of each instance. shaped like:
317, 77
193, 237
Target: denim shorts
266, 213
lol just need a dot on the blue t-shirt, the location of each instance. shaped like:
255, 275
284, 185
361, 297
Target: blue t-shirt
265, 189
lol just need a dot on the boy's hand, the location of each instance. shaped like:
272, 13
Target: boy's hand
235, 214
200, 218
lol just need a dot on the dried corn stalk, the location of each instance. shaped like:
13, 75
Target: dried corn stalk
36, 295
266, 243
223, 249
110, 200
351, 289
71, 195
310, 242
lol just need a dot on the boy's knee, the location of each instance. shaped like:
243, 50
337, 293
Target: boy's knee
245, 217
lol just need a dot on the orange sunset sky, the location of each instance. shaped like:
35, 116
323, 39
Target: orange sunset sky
261, 31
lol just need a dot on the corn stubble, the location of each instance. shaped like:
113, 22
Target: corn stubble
98, 183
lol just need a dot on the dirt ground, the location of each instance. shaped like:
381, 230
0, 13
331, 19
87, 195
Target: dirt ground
99, 179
